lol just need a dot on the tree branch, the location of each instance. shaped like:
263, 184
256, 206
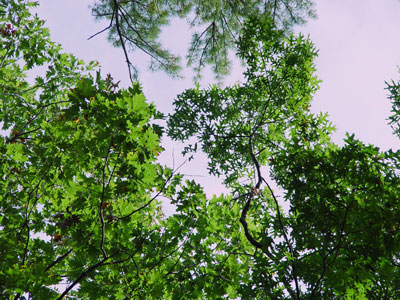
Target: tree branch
101, 210
80, 277
289, 245
108, 27
337, 248
154, 197
121, 38
60, 258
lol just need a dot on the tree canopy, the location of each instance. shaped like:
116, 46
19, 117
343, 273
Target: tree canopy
81, 212
217, 24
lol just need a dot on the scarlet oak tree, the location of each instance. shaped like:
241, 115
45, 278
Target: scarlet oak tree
80, 197
79, 208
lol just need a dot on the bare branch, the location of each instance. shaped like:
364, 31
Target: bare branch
121, 38
108, 27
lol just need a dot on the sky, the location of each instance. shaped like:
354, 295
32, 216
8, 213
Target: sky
359, 50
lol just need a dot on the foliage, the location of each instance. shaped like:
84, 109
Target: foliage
80, 199
137, 25
338, 236
80, 182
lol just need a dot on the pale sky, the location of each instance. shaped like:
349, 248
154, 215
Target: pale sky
358, 47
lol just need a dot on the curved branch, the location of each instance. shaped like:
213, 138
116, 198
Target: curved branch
246, 208
243, 221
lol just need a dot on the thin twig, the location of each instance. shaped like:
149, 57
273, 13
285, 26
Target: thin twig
154, 197
108, 27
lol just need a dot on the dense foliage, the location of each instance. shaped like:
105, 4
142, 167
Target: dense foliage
81, 189
340, 232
